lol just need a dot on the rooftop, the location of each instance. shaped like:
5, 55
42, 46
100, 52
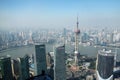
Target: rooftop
106, 52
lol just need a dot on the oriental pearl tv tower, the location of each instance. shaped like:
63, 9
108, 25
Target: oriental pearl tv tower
77, 33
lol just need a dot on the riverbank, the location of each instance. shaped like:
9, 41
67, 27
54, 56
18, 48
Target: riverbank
90, 51
13, 48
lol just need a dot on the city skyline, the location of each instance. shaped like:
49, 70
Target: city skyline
59, 14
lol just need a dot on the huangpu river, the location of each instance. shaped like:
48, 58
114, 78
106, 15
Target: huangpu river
90, 51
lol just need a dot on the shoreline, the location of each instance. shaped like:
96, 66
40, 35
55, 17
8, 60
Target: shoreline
14, 48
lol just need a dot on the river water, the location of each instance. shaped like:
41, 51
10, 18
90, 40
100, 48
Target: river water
84, 50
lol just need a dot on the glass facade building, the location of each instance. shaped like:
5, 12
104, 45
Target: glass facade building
105, 65
59, 63
40, 59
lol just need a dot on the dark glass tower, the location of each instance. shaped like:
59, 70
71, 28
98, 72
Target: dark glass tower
6, 68
21, 68
40, 59
105, 65
59, 63
15, 67
24, 67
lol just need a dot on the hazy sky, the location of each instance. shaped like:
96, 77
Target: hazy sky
59, 13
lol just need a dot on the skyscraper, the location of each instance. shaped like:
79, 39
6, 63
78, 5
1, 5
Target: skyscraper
15, 68
59, 63
111, 37
40, 59
24, 67
105, 64
6, 69
21, 68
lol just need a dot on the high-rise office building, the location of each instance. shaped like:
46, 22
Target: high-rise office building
59, 63
105, 65
21, 68
24, 67
111, 37
40, 59
96, 40
15, 68
6, 69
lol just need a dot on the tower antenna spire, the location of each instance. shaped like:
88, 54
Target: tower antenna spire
77, 21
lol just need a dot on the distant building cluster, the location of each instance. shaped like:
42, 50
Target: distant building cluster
12, 39
102, 37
